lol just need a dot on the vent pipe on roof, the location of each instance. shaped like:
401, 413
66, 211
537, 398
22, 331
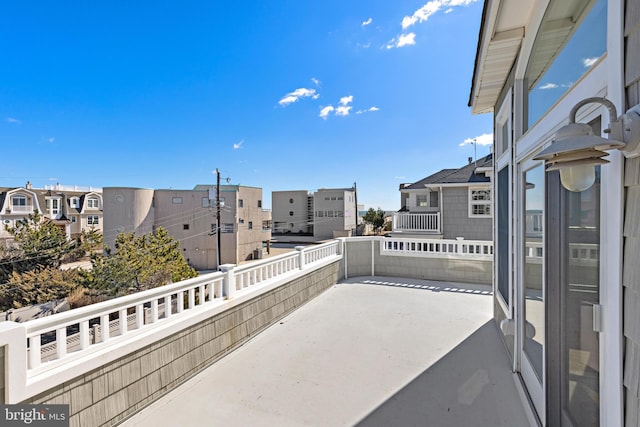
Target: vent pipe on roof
470, 159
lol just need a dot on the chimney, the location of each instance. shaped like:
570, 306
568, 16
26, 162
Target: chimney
470, 160
28, 186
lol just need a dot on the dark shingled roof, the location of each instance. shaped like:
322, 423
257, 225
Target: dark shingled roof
464, 175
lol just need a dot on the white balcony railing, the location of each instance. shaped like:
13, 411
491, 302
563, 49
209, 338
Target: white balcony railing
55, 340
421, 222
21, 209
437, 248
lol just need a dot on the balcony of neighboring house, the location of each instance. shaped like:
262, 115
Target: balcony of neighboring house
425, 223
20, 209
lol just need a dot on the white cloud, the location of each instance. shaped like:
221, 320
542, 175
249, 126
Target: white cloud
367, 110
588, 62
484, 139
238, 145
399, 177
343, 110
315, 81
13, 120
346, 100
366, 45
548, 86
325, 111
402, 40
367, 22
406, 40
431, 7
294, 96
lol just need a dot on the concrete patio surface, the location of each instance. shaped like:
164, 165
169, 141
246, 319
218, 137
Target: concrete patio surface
370, 351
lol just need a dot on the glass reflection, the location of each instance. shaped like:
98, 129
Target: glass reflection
533, 306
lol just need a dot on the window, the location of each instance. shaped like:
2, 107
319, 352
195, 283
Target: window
240, 203
227, 228
176, 200
502, 236
185, 226
74, 219
479, 202
330, 214
434, 199
320, 214
19, 201
421, 200
240, 221
572, 37
52, 206
205, 202
291, 201
93, 203
93, 220
259, 203
340, 198
74, 202
290, 213
250, 225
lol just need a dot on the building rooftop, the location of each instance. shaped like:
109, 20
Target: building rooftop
369, 351
464, 175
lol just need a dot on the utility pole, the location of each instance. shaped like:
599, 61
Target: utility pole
355, 192
218, 232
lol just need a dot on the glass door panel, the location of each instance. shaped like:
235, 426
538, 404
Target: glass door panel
580, 291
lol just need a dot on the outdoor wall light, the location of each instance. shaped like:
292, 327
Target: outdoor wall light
575, 150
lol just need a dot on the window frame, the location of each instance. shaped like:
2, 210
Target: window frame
480, 202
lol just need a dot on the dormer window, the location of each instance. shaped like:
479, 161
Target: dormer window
52, 206
93, 203
74, 202
19, 203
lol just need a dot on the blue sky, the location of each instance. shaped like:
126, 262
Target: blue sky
281, 94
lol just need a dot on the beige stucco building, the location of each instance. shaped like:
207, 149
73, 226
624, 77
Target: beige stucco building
190, 217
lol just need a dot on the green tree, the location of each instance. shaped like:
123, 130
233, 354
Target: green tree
138, 263
375, 218
37, 286
39, 244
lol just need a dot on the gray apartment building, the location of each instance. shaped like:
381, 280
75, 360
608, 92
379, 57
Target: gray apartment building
326, 214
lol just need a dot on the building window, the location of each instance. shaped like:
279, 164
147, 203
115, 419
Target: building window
205, 202
93, 220
340, 198
291, 201
74, 219
290, 213
52, 206
185, 226
434, 199
320, 214
227, 228
479, 202
422, 200
250, 225
19, 203
330, 214
74, 202
240, 221
176, 200
259, 203
93, 203
240, 203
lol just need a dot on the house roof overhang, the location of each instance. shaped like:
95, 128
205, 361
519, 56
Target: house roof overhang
501, 33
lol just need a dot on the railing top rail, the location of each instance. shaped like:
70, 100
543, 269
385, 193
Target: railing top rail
94, 310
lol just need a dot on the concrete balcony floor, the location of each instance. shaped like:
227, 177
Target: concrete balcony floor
371, 352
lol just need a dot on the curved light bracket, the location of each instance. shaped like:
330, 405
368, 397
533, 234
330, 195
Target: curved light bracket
575, 150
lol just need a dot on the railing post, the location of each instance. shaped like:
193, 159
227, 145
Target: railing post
229, 280
459, 245
300, 256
